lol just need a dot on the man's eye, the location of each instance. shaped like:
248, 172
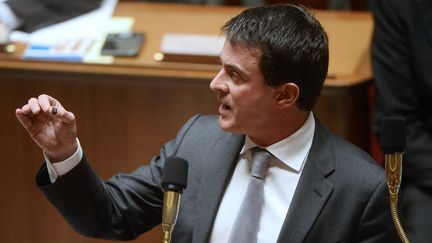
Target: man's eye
235, 76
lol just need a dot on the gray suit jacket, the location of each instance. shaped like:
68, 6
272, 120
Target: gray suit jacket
341, 195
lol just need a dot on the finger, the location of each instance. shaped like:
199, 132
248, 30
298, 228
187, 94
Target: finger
57, 110
24, 119
69, 117
52, 100
34, 105
61, 113
44, 102
26, 109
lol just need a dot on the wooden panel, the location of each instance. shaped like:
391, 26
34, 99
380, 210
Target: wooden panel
121, 124
346, 113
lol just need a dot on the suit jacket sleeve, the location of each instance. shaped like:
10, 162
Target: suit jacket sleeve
37, 14
375, 224
122, 207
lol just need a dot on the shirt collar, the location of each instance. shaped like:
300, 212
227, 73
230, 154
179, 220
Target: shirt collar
292, 150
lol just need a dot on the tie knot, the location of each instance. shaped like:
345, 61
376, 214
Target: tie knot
260, 162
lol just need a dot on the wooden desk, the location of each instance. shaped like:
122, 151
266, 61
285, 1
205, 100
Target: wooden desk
128, 109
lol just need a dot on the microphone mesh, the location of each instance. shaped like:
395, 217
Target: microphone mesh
393, 134
175, 174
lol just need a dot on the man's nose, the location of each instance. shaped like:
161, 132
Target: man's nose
218, 84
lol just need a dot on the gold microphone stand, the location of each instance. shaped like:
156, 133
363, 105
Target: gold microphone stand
170, 213
393, 167
174, 181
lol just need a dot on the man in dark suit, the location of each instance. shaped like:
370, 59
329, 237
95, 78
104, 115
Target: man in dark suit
317, 188
30, 15
402, 67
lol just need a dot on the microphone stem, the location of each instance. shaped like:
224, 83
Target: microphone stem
166, 237
393, 167
396, 220
169, 214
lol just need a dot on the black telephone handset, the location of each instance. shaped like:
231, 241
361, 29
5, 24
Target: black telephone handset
122, 44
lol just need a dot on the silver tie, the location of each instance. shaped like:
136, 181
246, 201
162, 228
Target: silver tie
246, 225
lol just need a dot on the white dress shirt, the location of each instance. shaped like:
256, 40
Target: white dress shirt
283, 174
289, 156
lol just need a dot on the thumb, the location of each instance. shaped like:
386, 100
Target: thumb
61, 113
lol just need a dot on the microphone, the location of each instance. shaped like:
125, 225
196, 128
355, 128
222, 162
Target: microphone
393, 139
174, 181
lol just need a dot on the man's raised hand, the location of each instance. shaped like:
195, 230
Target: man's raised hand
50, 125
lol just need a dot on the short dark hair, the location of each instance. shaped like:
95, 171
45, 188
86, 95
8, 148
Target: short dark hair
292, 43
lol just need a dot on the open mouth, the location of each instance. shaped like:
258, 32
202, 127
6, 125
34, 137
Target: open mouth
226, 107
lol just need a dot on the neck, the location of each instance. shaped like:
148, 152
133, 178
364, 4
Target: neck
280, 129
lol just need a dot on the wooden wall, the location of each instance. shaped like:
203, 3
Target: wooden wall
121, 125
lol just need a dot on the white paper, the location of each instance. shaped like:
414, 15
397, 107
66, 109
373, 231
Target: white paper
86, 26
192, 44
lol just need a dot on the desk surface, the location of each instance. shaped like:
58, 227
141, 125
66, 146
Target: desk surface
349, 38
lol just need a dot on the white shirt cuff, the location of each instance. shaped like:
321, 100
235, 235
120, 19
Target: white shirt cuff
57, 169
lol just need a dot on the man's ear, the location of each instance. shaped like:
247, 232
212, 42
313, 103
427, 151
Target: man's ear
288, 94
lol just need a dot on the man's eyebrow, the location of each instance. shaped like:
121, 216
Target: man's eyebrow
237, 68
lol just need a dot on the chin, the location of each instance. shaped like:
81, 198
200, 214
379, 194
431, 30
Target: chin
228, 125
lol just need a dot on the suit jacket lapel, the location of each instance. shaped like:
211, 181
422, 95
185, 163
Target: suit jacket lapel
313, 189
217, 168
425, 9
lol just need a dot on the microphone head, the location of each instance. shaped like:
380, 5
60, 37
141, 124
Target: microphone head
393, 135
175, 173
